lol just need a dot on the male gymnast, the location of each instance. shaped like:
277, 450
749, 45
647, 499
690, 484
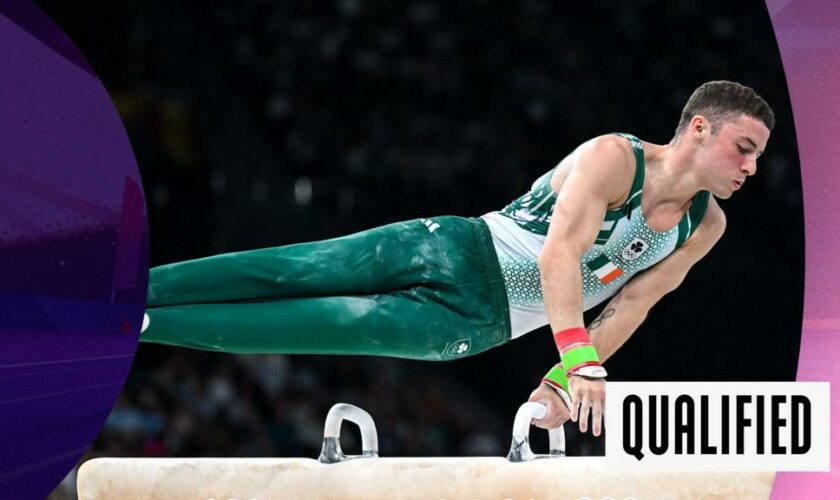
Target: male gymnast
618, 219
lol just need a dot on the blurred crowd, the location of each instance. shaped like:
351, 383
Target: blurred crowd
329, 115
276, 122
195, 404
274, 406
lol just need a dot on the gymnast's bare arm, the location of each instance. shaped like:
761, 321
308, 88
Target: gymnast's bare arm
595, 177
628, 309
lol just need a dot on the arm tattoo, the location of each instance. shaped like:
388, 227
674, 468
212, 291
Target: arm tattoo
600, 319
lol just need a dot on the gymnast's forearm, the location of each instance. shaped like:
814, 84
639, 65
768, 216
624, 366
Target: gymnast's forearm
561, 286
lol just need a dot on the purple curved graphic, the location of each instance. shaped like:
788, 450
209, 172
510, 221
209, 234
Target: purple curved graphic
73, 253
808, 33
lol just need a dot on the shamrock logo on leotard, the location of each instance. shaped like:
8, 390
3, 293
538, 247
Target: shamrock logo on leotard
458, 348
633, 250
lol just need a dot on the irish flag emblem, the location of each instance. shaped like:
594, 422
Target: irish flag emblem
604, 269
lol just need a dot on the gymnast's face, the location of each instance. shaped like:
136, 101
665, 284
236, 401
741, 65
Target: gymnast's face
730, 156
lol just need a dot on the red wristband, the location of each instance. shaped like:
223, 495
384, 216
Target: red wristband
577, 353
571, 337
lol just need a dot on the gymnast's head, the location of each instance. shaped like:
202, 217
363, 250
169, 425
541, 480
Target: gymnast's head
724, 127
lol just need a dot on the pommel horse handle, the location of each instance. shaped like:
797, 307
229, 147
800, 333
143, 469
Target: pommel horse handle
520, 450
331, 449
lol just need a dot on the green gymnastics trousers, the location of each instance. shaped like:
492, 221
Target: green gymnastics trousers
426, 289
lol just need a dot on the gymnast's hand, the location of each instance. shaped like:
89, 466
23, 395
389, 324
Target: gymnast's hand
587, 395
558, 412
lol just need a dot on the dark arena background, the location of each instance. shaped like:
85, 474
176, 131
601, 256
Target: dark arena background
271, 122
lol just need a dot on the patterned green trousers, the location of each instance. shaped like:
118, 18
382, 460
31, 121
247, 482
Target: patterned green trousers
426, 289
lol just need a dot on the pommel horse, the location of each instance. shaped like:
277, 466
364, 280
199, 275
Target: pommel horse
334, 475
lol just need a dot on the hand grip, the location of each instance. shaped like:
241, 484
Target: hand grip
520, 449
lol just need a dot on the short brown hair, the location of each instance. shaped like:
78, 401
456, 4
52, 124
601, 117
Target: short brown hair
720, 100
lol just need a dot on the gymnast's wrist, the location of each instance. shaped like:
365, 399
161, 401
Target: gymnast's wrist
556, 379
577, 354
